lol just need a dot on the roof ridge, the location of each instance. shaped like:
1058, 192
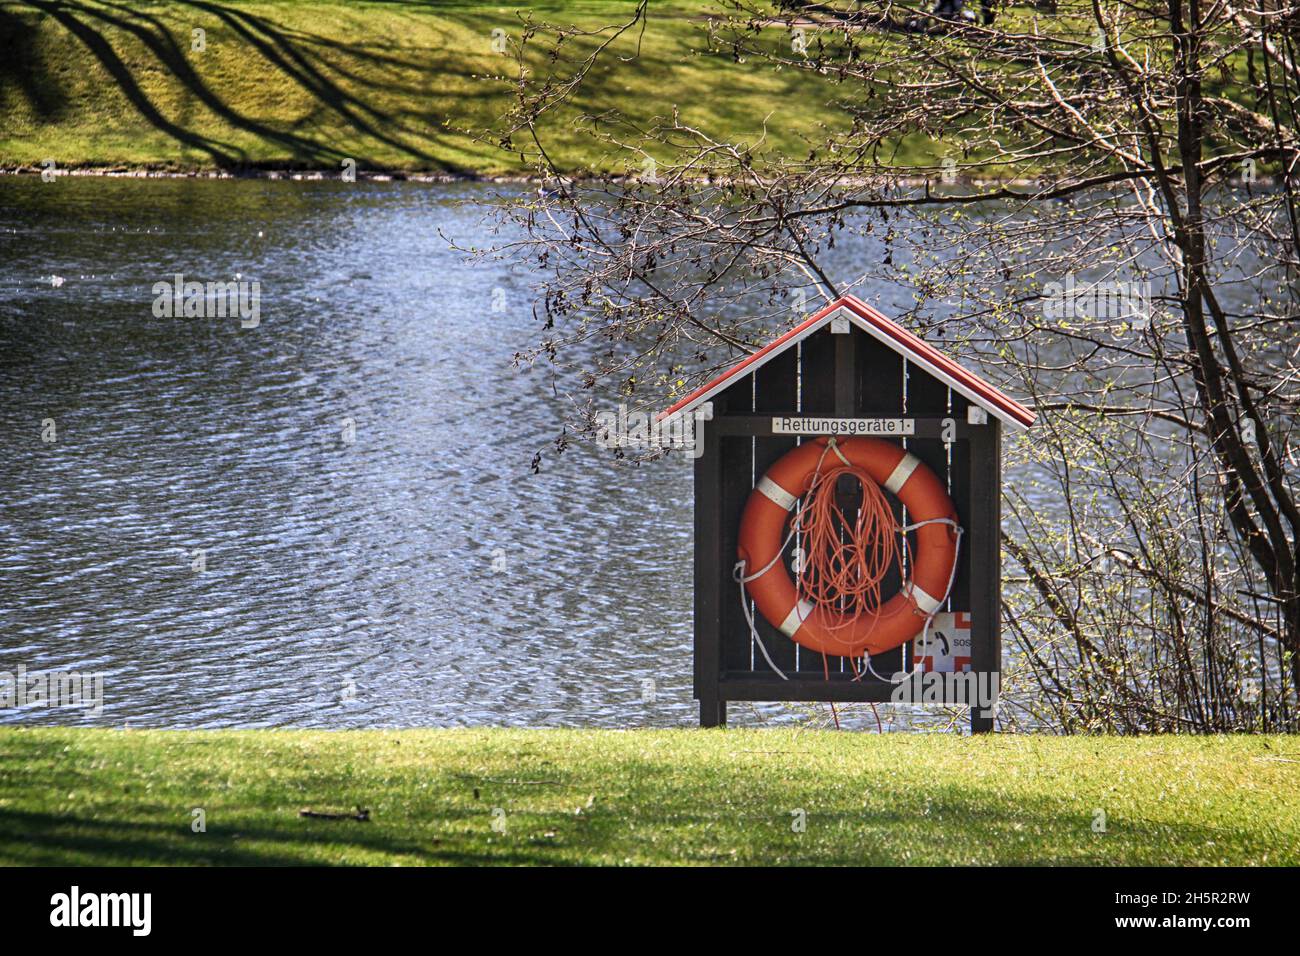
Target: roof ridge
898, 337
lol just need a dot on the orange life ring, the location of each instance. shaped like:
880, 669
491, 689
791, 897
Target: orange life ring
902, 617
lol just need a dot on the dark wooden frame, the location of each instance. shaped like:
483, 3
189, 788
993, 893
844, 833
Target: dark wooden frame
862, 373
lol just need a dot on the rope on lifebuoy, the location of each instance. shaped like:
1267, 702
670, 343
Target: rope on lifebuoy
738, 572
841, 572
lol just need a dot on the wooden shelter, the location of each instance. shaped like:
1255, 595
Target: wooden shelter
850, 367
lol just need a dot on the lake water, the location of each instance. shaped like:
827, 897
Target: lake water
328, 520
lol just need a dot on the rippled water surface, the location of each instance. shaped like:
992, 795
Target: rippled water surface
329, 519
346, 583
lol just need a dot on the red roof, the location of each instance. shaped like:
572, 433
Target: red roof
905, 343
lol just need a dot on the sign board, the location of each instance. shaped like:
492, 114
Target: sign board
843, 426
946, 649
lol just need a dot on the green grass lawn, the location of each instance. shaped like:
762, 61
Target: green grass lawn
388, 84
644, 797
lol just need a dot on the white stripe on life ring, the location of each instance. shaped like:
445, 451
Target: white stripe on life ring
776, 494
902, 471
925, 602
798, 614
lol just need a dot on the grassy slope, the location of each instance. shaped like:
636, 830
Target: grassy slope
392, 85
311, 82
83, 797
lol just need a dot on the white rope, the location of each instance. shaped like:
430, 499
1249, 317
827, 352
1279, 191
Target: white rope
833, 444
738, 574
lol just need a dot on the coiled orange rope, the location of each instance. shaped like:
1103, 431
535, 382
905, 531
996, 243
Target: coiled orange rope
845, 564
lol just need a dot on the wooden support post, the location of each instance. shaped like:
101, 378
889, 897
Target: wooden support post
708, 617
713, 713
985, 550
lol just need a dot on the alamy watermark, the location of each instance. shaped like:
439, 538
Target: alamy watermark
1120, 300
977, 690
644, 431
133, 911
19, 689
177, 298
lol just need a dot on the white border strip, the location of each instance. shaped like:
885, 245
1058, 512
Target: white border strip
801, 611
775, 493
928, 604
902, 471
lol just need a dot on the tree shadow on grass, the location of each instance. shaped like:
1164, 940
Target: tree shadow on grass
292, 54
24, 68
46, 839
